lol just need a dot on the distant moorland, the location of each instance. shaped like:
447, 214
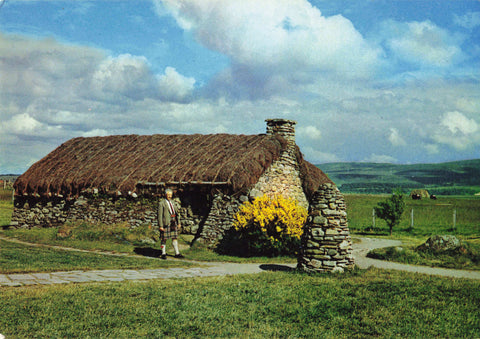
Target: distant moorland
449, 178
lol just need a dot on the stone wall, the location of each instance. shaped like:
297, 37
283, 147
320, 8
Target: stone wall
208, 223
283, 177
31, 212
40, 212
326, 242
220, 219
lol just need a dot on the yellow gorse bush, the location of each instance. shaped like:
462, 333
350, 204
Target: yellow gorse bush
275, 216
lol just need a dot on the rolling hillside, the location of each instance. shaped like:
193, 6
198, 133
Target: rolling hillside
450, 178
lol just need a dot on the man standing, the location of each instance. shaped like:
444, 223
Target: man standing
168, 223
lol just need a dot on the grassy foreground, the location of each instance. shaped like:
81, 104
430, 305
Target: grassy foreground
466, 259
360, 304
19, 258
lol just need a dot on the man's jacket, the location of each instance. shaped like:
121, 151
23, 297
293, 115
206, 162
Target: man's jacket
164, 217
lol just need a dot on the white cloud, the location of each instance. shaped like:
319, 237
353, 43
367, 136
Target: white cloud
51, 92
395, 138
96, 133
432, 149
22, 124
458, 131
422, 43
381, 159
315, 156
34, 68
295, 62
124, 75
469, 20
26, 125
456, 122
275, 45
309, 132
174, 86
131, 77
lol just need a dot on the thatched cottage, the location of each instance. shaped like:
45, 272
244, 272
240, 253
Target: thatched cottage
119, 178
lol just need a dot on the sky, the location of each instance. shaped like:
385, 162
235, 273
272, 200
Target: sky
393, 81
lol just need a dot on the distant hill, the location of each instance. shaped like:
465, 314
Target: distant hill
449, 178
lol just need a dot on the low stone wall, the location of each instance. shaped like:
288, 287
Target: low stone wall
36, 212
326, 242
40, 212
220, 219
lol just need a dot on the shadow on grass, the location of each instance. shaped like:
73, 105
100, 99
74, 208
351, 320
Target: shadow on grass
276, 268
147, 252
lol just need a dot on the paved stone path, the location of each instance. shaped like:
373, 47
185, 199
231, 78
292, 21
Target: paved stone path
217, 269
124, 275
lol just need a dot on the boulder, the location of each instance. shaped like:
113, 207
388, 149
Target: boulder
441, 243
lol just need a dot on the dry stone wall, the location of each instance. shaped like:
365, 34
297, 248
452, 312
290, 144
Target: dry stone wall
326, 242
220, 219
35, 212
38, 212
283, 176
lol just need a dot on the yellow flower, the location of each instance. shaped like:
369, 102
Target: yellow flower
275, 216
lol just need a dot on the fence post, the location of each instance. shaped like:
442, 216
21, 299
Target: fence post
411, 217
454, 219
373, 217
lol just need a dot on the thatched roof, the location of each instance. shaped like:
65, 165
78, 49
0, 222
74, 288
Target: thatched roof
119, 163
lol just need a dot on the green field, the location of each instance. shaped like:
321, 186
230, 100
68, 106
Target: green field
450, 178
429, 216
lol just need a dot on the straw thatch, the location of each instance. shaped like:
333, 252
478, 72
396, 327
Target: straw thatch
118, 163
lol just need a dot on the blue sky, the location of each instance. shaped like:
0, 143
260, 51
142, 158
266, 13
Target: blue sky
377, 81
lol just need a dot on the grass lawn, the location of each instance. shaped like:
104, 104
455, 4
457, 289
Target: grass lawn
6, 208
19, 258
360, 304
468, 258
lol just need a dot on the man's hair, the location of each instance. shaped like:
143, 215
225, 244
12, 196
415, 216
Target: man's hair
168, 190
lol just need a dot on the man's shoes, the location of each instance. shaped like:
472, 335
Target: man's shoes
179, 256
164, 256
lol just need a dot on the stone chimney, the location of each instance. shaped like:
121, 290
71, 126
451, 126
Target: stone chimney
283, 176
285, 128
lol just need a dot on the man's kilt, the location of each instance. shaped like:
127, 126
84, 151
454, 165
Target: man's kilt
171, 231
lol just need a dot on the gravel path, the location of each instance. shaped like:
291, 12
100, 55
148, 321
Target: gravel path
213, 269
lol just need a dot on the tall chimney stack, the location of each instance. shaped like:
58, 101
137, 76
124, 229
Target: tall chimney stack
282, 127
